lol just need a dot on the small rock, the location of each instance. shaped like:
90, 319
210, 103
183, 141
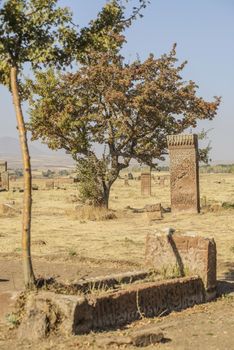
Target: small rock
104, 342
145, 337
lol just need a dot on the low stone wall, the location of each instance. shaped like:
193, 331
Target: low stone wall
184, 255
47, 311
148, 300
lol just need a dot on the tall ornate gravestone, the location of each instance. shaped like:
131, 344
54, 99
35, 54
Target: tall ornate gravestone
183, 151
146, 184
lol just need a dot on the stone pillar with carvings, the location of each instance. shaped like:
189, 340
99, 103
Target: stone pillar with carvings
184, 171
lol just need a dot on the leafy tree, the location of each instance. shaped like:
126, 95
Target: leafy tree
89, 174
35, 34
126, 109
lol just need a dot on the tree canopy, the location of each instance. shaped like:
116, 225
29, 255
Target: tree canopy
127, 109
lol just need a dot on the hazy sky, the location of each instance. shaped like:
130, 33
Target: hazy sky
204, 33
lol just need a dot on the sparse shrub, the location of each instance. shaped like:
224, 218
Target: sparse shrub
72, 252
19, 172
63, 172
228, 205
90, 187
93, 213
48, 174
13, 319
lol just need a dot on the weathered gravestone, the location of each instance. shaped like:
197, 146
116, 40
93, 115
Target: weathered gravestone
146, 184
49, 184
5, 180
3, 166
153, 211
4, 176
183, 150
183, 254
126, 183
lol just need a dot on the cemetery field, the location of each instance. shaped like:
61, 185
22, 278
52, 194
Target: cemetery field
70, 247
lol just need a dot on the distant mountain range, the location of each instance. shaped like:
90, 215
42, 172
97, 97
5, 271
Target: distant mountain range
40, 155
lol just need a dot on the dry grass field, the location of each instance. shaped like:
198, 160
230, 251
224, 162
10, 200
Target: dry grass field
58, 233
69, 247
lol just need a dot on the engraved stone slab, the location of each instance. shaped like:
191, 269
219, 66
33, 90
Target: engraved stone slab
146, 184
148, 300
186, 254
183, 151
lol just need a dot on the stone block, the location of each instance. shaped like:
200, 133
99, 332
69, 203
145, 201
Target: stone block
153, 207
8, 209
46, 312
186, 254
153, 211
7, 302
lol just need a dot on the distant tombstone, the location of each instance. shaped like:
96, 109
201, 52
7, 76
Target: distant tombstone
5, 180
130, 176
153, 211
162, 181
146, 184
126, 183
183, 151
50, 184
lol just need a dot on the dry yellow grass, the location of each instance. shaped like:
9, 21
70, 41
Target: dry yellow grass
122, 238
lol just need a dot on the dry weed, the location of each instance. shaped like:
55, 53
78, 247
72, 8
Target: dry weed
88, 212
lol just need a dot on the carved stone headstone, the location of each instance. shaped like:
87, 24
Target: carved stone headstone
183, 150
146, 184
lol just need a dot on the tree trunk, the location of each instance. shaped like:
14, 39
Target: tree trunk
29, 278
106, 195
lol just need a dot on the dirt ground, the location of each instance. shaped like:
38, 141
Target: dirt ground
69, 249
